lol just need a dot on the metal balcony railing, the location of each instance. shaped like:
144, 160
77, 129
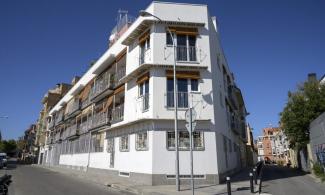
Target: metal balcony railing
72, 130
118, 113
120, 73
99, 119
51, 124
186, 53
57, 137
231, 95
102, 83
84, 126
85, 103
73, 107
59, 117
182, 99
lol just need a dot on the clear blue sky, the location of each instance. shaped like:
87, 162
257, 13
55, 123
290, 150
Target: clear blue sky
270, 46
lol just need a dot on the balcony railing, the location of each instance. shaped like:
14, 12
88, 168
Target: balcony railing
234, 124
59, 117
99, 119
72, 130
49, 140
84, 126
75, 106
182, 99
118, 113
232, 96
51, 124
145, 56
57, 137
102, 84
120, 73
186, 53
85, 103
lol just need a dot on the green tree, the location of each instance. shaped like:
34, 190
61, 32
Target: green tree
303, 106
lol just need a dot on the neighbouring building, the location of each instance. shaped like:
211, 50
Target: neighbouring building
273, 145
27, 153
317, 139
118, 119
251, 151
49, 100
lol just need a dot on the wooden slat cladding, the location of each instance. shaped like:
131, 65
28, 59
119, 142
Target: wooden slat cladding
144, 36
183, 74
184, 30
119, 90
143, 78
108, 102
84, 94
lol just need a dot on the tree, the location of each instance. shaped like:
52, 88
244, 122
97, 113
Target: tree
303, 106
9, 146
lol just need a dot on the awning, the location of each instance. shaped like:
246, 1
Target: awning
184, 30
183, 74
108, 102
84, 94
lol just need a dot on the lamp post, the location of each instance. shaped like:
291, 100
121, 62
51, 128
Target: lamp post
146, 14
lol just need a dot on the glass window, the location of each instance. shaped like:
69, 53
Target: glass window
97, 142
124, 143
181, 40
194, 85
169, 39
142, 141
184, 140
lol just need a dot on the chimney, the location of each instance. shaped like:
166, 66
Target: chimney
312, 77
75, 80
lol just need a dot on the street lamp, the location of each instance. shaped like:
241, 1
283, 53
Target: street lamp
144, 13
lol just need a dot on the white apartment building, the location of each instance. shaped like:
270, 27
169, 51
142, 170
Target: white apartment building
118, 119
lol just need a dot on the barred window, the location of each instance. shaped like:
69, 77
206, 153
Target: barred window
97, 141
124, 143
184, 140
142, 141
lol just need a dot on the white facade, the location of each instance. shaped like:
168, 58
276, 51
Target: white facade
139, 145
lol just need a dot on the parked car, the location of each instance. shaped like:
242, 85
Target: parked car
3, 160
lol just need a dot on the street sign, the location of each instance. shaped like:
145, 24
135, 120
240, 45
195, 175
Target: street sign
188, 117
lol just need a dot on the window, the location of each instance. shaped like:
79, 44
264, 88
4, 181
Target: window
170, 140
141, 141
124, 143
169, 39
225, 149
230, 146
221, 98
194, 85
144, 94
97, 141
184, 140
144, 47
182, 93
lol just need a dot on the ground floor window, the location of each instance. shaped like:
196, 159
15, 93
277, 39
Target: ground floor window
97, 142
184, 140
124, 143
141, 141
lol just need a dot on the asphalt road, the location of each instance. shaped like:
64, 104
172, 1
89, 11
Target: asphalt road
31, 180
286, 181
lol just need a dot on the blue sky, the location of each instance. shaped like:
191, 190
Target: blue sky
270, 46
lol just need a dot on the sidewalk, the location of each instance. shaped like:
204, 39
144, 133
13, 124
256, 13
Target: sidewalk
239, 185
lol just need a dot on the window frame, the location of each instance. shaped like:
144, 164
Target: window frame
146, 148
201, 148
128, 143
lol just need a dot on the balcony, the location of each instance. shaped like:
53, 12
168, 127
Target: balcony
234, 124
85, 103
99, 119
72, 131
186, 53
59, 117
118, 113
120, 73
51, 124
104, 83
49, 140
182, 99
57, 137
84, 126
73, 107
232, 96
